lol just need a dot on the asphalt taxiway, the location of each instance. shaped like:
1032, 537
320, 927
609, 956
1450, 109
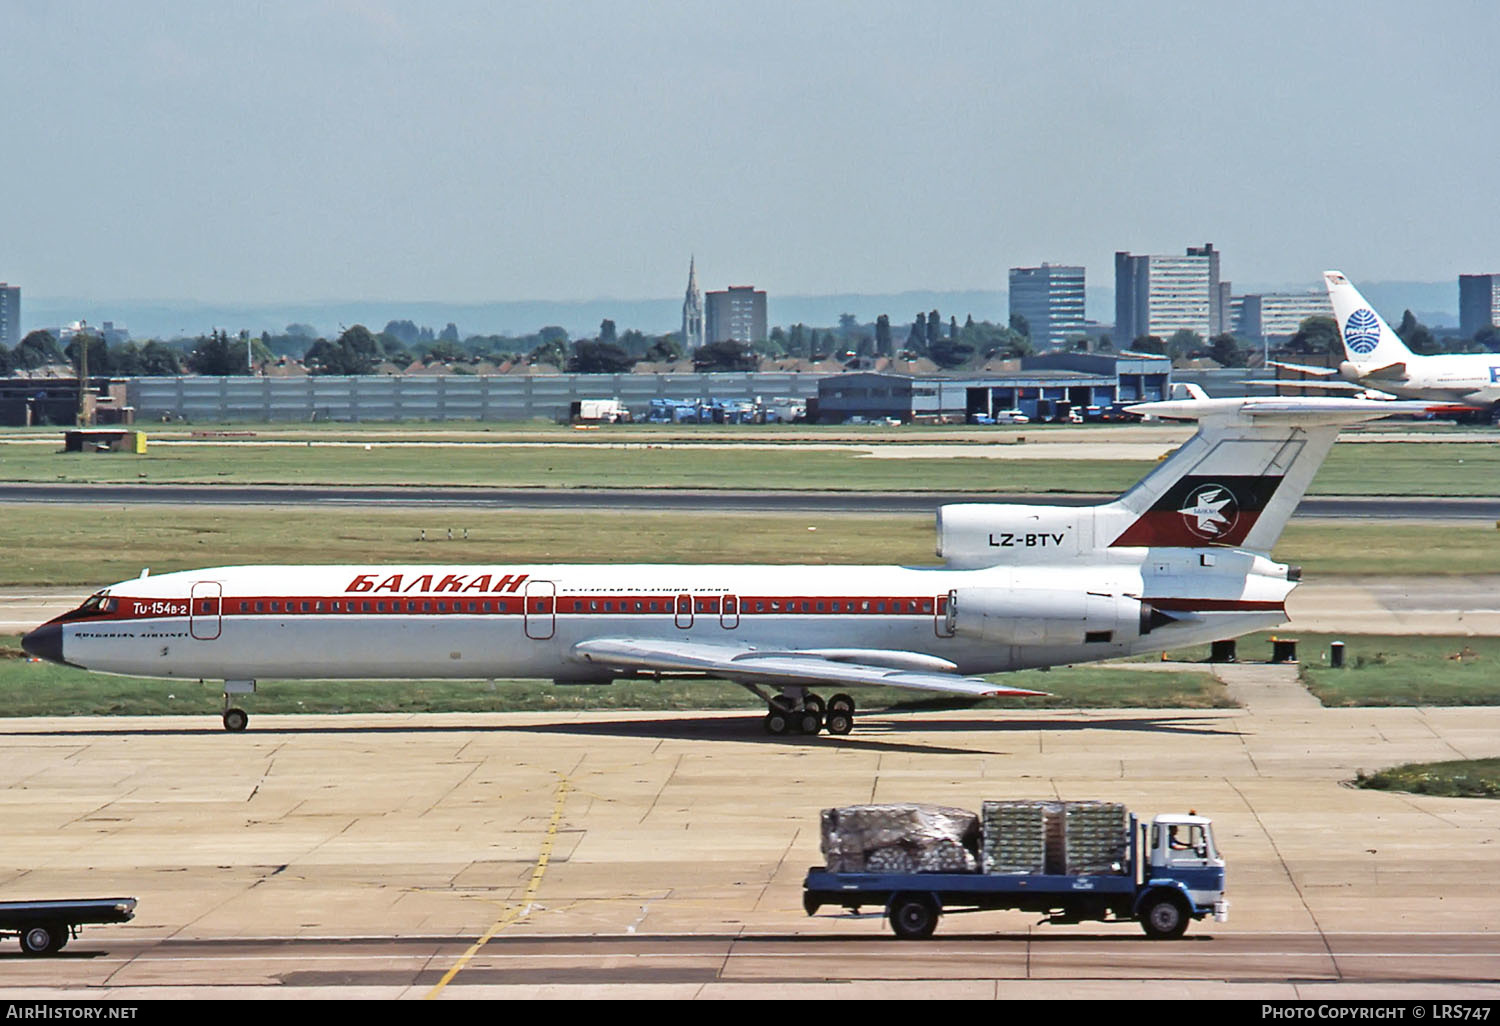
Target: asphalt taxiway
677, 500
661, 854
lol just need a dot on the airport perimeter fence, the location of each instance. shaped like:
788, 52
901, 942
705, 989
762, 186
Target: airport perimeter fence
218, 400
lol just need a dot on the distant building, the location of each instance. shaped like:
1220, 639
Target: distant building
692, 311
10, 315
1478, 302
1050, 298
1218, 290
1277, 315
738, 314
1046, 387
1162, 295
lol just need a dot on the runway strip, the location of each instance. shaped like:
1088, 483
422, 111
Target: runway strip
1397, 507
1040, 961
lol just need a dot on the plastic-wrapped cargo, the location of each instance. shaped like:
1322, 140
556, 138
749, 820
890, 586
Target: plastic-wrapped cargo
900, 838
1014, 836
1053, 838
1097, 836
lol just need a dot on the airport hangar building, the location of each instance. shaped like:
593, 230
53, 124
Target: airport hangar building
1042, 387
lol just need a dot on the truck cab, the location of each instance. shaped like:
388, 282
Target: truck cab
1184, 867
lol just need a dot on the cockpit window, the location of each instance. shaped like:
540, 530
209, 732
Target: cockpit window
96, 604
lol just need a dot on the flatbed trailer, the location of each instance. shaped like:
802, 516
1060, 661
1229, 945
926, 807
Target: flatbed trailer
1170, 876
45, 927
913, 902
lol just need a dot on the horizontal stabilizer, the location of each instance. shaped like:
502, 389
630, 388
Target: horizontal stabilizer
1358, 391
1302, 368
1391, 371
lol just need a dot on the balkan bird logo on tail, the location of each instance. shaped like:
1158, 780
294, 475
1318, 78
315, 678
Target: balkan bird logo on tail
1211, 512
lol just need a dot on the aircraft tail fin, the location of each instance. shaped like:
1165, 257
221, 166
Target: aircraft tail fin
1238, 480
1235, 483
1368, 340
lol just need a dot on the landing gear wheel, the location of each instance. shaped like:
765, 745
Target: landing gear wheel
777, 722
841, 703
839, 723
814, 704
913, 916
809, 722
1164, 918
235, 720
43, 938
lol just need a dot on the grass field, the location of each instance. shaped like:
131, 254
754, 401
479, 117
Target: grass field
90, 546
1387, 468
65, 545
1386, 669
1465, 778
1381, 671
1421, 670
32, 688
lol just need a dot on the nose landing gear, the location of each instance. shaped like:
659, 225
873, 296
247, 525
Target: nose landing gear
236, 719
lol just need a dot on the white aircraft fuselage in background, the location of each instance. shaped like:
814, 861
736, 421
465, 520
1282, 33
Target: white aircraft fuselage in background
1181, 558
1376, 359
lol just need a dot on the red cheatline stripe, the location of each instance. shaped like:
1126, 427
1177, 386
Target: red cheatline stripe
1192, 605
566, 605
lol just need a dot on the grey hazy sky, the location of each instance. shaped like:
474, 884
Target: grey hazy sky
474, 151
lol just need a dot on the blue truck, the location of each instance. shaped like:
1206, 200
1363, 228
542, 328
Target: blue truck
1161, 875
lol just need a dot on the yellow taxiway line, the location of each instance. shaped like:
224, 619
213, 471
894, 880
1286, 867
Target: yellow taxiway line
514, 913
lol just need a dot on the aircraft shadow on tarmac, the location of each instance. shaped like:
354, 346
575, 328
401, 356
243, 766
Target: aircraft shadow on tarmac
874, 732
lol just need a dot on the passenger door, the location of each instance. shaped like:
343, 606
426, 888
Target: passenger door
205, 610
540, 609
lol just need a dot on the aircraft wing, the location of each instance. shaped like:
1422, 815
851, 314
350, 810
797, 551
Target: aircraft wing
1322, 372
763, 666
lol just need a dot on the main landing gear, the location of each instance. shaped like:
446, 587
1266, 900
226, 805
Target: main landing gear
798, 711
236, 719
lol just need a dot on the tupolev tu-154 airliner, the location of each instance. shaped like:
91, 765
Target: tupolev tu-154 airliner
1181, 558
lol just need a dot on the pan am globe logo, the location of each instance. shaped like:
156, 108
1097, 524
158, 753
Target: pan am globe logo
1210, 512
1362, 332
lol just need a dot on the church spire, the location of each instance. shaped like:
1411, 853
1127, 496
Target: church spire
692, 310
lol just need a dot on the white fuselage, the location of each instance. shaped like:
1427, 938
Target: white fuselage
1470, 379
506, 621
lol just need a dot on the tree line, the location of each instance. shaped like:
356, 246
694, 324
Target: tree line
357, 350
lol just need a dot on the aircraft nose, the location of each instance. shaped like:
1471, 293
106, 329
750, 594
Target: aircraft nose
46, 642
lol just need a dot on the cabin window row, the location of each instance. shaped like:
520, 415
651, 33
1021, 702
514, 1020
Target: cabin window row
369, 606
731, 605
